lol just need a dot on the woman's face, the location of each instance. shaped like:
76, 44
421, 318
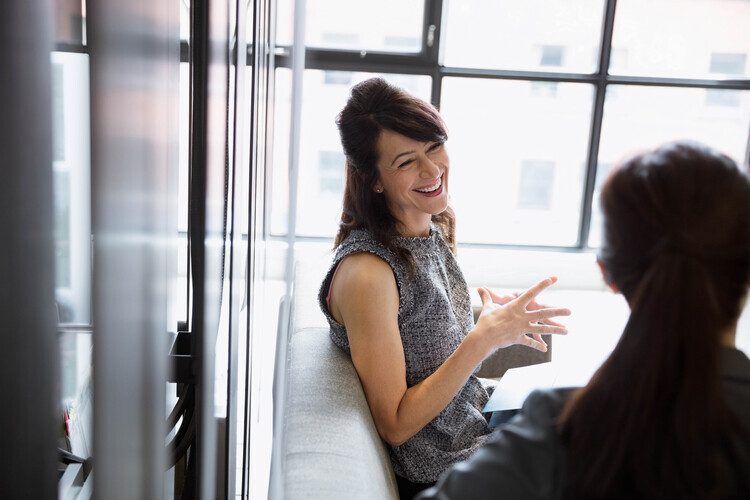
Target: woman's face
413, 176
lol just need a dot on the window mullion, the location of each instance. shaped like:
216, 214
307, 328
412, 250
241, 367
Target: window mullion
596, 123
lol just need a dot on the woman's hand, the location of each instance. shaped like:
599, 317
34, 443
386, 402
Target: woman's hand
532, 306
509, 320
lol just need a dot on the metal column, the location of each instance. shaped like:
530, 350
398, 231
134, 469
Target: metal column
134, 57
29, 355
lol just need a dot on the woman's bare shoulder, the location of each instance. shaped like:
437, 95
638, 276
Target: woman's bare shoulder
364, 268
364, 282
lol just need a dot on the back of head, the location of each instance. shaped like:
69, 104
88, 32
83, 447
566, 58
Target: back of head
681, 206
653, 421
373, 106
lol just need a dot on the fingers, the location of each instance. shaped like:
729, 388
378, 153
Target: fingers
484, 294
545, 329
539, 338
500, 299
545, 314
535, 290
533, 343
534, 305
552, 322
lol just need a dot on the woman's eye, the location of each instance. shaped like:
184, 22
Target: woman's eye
405, 164
435, 146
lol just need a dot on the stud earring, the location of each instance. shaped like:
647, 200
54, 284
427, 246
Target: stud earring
378, 190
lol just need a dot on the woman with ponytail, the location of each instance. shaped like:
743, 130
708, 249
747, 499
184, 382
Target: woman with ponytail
668, 413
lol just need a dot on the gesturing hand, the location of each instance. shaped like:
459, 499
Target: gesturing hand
531, 306
509, 320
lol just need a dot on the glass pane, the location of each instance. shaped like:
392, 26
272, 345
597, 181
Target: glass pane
72, 242
321, 175
178, 296
184, 147
538, 35
382, 26
72, 184
637, 118
678, 38
284, 22
184, 19
69, 21
518, 152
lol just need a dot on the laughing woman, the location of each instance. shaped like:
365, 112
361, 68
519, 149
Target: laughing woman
395, 298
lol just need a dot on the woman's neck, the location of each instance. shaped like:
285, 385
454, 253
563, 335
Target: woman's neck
414, 226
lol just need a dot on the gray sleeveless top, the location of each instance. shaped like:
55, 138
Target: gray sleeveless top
434, 316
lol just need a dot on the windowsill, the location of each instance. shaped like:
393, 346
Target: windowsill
482, 266
599, 315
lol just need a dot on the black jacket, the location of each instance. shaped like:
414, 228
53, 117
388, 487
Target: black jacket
525, 459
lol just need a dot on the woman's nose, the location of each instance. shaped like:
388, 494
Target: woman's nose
430, 169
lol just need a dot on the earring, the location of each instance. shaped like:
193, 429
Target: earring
378, 190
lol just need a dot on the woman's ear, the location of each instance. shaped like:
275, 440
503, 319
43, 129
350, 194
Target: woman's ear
606, 277
377, 187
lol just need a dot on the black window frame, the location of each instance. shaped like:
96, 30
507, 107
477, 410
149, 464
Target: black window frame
427, 62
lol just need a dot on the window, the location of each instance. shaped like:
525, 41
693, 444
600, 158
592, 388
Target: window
72, 223
319, 208
723, 97
494, 126
401, 43
72, 184
337, 78
58, 129
644, 117
728, 64
543, 89
536, 184
618, 60
385, 25
331, 172
506, 34
339, 39
725, 65
518, 84
673, 38
552, 55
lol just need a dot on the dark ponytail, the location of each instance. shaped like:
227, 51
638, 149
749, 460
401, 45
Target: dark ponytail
652, 422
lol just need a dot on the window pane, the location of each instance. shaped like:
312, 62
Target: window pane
184, 19
72, 185
382, 26
541, 35
637, 118
678, 38
321, 169
178, 307
517, 160
72, 240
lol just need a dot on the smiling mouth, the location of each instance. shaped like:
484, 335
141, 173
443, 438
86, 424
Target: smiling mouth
433, 188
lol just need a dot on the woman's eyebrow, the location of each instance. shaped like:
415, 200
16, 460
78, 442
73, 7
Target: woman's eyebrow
400, 155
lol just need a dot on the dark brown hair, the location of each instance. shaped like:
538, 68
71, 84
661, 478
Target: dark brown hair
652, 422
373, 106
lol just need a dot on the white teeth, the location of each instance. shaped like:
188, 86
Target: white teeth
432, 188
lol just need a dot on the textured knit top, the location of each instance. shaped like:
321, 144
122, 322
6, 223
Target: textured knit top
434, 316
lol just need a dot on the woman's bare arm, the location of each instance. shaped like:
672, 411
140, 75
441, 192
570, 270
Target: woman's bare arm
364, 298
